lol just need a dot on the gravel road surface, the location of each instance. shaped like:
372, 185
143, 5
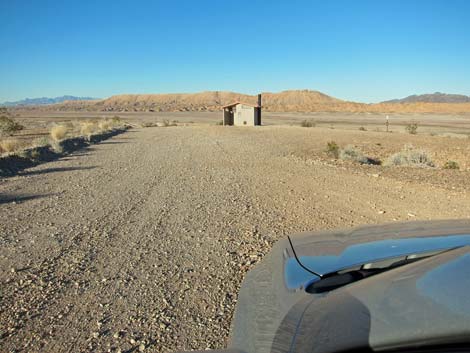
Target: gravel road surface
140, 243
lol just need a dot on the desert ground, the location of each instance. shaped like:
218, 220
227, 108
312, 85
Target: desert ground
140, 242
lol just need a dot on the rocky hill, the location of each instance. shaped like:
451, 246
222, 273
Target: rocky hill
433, 98
204, 101
286, 101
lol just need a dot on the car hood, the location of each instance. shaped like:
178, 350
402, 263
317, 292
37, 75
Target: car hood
326, 253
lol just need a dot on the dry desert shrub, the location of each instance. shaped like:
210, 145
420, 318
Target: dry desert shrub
351, 153
332, 149
451, 165
87, 128
308, 123
8, 126
168, 123
10, 145
149, 124
110, 124
412, 128
57, 147
41, 141
105, 125
116, 120
410, 156
59, 132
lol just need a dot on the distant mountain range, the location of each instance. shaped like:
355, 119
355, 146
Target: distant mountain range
45, 101
437, 97
285, 101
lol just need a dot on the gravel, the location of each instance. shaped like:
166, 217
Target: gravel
141, 242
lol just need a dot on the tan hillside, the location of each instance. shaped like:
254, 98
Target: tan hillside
301, 100
285, 101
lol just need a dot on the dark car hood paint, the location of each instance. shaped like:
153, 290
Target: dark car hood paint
423, 301
343, 250
420, 304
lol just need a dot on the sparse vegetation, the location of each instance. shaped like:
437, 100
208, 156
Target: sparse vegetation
105, 125
59, 132
412, 128
148, 124
8, 126
351, 153
10, 145
354, 154
362, 128
116, 120
308, 123
41, 141
167, 123
451, 165
220, 122
410, 156
57, 147
34, 154
87, 128
332, 149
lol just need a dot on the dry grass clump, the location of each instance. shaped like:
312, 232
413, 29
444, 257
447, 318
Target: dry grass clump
412, 128
451, 165
10, 145
149, 124
168, 123
87, 128
332, 149
57, 147
8, 126
410, 156
41, 141
351, 153
110, 124
59, 132
90, 127
308, 123
105, 125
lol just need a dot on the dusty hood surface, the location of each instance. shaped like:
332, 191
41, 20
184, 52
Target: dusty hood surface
329, 252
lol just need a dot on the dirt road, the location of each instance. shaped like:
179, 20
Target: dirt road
141, 242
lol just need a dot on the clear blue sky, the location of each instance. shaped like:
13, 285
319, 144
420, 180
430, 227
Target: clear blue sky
357, 50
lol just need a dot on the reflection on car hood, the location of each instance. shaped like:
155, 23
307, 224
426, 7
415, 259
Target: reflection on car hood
331, 252
355, 255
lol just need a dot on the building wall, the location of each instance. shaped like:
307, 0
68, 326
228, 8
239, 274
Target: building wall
244, 115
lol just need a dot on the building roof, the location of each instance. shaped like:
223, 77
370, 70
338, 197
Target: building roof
238, 102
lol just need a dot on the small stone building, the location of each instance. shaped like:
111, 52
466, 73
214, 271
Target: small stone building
242, 114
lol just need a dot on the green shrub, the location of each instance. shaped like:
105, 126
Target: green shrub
412, 128
332, 149
451, 165
8, 126
308, 123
